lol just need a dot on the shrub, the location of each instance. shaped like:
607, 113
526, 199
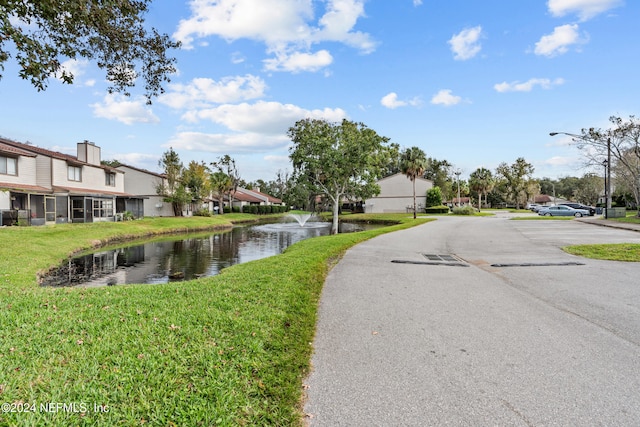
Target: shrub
464, 210
199, 212
434, 197
437, 209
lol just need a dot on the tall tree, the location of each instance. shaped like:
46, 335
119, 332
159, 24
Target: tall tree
393, 160
221, 184
589, 189
40, 34
621, 142
413, 162
227, 165
481, 181
173, 190
196, 180
439, 172
337, 159
516, 177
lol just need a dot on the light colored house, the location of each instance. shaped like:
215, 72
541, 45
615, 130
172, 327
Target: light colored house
144, 184
245, 197
396, 195
40, 186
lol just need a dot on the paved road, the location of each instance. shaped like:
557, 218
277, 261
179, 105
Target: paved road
407, 341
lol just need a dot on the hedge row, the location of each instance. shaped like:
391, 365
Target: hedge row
437, 209
263, 209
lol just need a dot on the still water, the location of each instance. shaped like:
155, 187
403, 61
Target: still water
187, 257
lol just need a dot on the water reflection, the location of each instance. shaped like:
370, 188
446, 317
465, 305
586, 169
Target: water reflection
188, 258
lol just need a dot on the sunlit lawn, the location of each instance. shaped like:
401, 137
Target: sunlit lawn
230, 350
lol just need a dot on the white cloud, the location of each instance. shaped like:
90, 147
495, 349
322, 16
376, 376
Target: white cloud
391, 101
125, 110
74, 66
203, 91
446, 98
417, 2
585, 9
227, 143
141, 160
237, 58
561, 140
528, 85
270, 118
561, 161
288, 28
298, 61
559, 41
77, 68
465, 45
338, 22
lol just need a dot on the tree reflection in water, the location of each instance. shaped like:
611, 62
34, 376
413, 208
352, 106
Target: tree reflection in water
186, 258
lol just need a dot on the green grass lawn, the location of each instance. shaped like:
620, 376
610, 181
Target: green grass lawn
614, 252
632, 217
231, 350
627, 252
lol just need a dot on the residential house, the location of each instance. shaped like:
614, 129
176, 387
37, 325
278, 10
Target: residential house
396, 195
40, 186
459, 202
144, 184
244, 197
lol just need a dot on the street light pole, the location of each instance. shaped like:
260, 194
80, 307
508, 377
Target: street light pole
458, 172
606, 187
607, 179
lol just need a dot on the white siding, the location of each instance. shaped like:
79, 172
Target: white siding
43, 163
5, 200
396, 194
93, 178
27, 169
143, 184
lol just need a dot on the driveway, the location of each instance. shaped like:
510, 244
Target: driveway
478, 321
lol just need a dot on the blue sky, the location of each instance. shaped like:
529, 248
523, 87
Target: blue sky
474, 82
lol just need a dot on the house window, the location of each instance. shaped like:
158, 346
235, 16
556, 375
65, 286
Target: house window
110, 179
74, 173
102, 208
8, 165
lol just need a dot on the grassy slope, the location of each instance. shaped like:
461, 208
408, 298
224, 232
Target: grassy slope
227, 350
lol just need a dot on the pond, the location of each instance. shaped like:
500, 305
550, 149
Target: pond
187, 256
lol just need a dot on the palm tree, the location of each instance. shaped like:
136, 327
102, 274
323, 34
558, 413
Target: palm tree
220, 184
481, 181
414, 162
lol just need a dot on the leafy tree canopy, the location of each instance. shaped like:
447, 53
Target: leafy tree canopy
434, 197
338, 159
40, 35
516, 179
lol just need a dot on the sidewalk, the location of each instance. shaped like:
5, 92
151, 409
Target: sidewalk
598, 220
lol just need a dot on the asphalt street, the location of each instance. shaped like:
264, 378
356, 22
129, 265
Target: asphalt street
478, 322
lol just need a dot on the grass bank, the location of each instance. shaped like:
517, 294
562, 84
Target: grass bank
24, 251
628, 252
226, 350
